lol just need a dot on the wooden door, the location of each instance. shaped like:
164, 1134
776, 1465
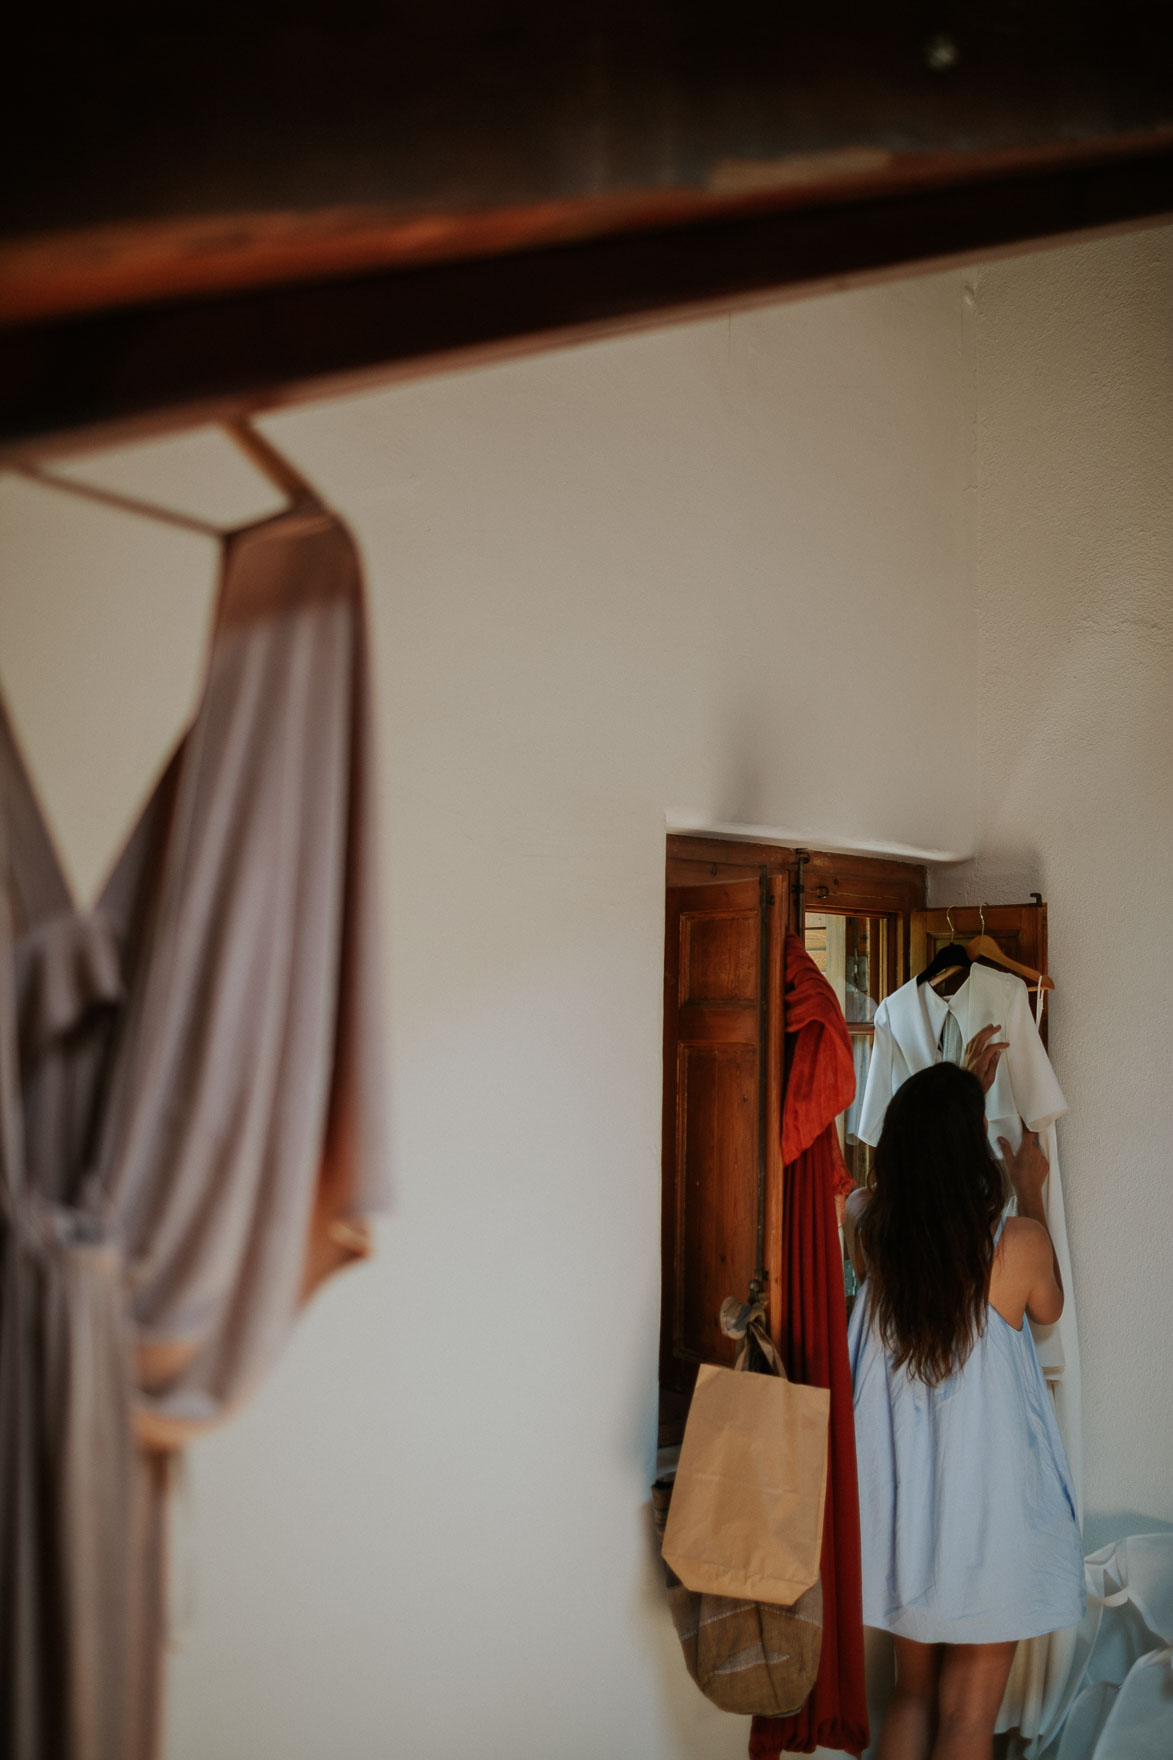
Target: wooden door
722, 1087
728, 908
1019, 929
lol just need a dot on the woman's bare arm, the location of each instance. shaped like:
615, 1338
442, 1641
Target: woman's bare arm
1028, 1169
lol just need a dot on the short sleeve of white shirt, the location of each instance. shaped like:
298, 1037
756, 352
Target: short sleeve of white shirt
880, 1082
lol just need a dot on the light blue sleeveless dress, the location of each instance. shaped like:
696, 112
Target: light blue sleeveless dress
967, 1512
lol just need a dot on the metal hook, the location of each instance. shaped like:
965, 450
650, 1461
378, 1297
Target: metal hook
982, 915
949, 920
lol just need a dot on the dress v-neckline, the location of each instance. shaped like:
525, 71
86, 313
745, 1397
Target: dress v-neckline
35, 862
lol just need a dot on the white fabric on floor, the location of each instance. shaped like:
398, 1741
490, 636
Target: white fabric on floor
1117, 1700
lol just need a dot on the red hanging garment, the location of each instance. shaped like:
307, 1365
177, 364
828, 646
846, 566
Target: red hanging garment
820, 1085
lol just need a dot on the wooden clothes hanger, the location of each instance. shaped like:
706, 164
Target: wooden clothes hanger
257, 449
271, 463
984, 946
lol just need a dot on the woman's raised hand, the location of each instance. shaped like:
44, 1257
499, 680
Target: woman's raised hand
982, 1054
1028, 1168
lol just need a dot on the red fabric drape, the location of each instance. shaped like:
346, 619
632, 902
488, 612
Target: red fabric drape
821, 1083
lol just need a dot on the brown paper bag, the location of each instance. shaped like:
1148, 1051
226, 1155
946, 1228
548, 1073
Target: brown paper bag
746, 1516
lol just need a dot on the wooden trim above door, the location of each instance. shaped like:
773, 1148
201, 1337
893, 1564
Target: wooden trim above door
833, 881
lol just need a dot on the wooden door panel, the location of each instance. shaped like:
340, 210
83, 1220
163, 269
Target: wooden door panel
714, 1025
716, 1192
719, 956
712, 1071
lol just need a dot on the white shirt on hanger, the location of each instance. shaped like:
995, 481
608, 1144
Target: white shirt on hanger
909, 1028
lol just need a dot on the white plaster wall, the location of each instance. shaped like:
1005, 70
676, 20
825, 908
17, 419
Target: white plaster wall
729, 572
1073, 570
689, 572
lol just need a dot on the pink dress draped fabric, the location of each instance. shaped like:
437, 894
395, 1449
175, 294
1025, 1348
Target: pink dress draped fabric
191, 1129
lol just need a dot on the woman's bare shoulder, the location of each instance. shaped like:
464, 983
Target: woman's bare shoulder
857, 1202
1024, 1239
1028, 1270
1021, 1281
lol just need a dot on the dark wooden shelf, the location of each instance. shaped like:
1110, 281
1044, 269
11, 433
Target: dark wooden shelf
215, 211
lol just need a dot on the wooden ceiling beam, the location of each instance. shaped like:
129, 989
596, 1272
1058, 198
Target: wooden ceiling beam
228, 208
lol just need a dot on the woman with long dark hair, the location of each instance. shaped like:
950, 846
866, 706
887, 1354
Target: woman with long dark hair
970, 1536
